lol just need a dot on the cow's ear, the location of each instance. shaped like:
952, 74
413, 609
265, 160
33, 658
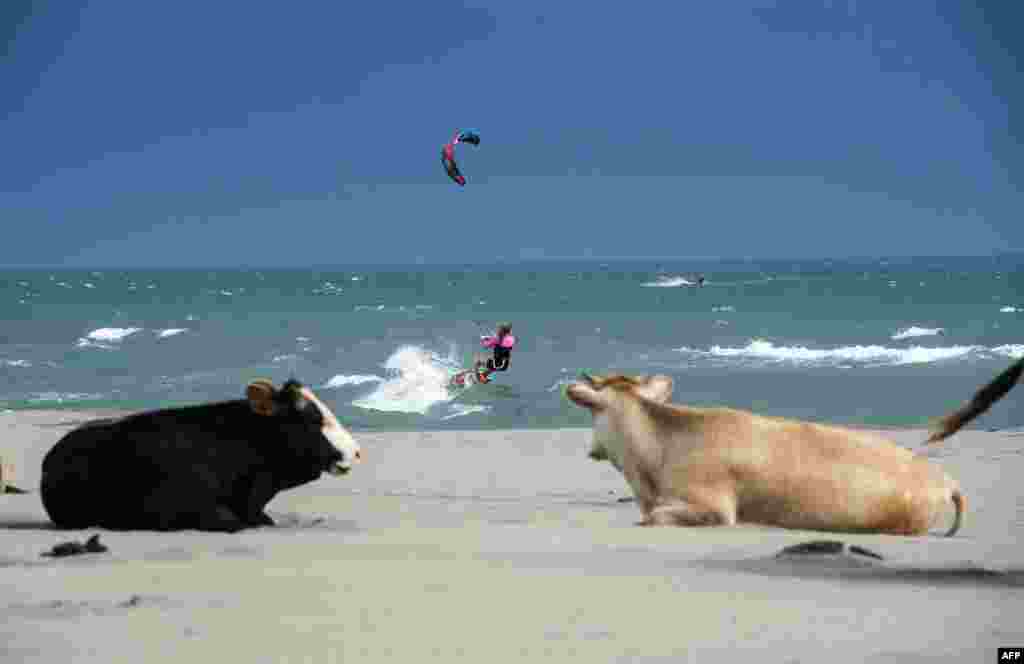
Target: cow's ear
260, 394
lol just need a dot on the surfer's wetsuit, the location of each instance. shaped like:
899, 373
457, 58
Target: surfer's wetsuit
500, 360
502, 346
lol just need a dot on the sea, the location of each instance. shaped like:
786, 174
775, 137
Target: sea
880, 341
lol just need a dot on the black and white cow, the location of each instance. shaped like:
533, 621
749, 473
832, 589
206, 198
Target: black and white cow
206, 467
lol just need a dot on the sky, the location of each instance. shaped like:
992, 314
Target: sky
196, 133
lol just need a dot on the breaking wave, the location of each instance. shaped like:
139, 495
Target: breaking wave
844, 356
1014, 351
342, 380
170, 332
104, 336
668, 282
915, 331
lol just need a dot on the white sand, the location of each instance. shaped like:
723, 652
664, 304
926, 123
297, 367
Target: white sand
505, 546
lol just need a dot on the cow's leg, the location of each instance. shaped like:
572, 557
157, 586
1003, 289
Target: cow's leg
250, 499
165, 507
680, 513
219, 518
177, 505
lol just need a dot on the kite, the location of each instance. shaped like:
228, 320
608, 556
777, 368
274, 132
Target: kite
448, 154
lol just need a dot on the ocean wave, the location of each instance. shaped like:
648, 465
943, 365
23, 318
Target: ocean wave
724, 309
915, 331
1009, 310
668, 282
104, 336
393, 309
328, 288
461, 409
61, 397
762, 350
15, 363
171, 331
112, 333
342, 380
1015, 351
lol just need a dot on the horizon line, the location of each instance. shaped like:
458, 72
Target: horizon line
509, 261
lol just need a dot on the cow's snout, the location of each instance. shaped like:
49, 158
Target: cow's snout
347, 451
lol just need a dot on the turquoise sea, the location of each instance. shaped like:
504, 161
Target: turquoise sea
885, 341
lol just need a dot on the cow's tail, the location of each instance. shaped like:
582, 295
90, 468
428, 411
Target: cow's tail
982, 401
960, 503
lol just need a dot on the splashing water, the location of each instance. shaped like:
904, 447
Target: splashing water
417, 380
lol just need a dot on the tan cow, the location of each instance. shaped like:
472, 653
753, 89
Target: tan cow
711, 466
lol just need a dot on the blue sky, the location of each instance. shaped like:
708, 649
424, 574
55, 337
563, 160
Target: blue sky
199, 133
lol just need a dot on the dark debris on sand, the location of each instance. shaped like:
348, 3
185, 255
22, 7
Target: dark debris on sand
92, 545
827, 548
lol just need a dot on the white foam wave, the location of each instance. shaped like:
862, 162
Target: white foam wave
1009, 310
392, 309
417, 380
915, 331
727, 308
461, 409
668, 282
171, 331
341, 380
760, 349
102, 337
112, 333
60, 397
1016, 351
15, 363
328, 288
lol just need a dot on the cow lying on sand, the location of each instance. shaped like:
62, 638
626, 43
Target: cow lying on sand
206, 467
710, 466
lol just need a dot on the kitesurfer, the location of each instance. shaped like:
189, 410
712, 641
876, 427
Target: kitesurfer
501, 342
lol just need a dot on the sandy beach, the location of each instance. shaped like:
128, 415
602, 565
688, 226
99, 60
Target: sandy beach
502, 546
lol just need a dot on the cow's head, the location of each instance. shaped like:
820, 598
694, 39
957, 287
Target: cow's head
311, 428
608, 399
